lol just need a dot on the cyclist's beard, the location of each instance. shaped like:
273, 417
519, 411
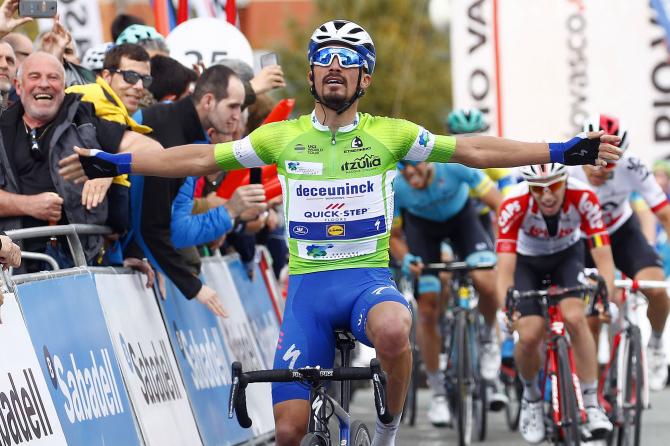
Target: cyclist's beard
334, 101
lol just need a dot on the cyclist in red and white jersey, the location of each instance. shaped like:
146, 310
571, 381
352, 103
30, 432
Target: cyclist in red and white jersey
633, 255
539, 230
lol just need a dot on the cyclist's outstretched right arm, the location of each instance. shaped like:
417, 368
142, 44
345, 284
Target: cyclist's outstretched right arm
505, 268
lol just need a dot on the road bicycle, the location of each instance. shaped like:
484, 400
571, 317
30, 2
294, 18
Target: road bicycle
565, 412
322, 406
466, 389
623, 389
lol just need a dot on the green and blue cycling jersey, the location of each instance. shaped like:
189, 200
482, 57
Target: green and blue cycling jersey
445, 195
337, 188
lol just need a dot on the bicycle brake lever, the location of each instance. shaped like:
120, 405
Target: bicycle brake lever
379, 386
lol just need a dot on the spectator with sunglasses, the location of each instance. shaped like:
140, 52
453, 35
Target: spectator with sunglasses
432, 205
539, 230
633, 255
39, 131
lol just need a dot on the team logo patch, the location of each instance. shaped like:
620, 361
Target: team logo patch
357, 142
300, 230
317, 251
299, 148
304, 167
335, 230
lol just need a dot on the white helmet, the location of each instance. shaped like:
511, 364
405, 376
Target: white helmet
94, 57
611, 125
547, 171
345, 33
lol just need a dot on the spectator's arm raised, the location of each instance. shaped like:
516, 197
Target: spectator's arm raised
8, 22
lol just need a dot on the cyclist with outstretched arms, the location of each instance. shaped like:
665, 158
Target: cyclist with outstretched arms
432, 204
336, 167
633, 255
539, 228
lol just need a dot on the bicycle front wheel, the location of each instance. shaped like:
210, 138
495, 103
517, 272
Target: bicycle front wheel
513, 391
359, 434
464, 381
629, 430
313, 439
567, 398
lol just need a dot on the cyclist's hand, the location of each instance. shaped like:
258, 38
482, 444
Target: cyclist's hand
208, 298
594, 148
412, 265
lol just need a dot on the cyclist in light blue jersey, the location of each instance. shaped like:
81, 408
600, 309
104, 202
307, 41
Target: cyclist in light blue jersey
432, 204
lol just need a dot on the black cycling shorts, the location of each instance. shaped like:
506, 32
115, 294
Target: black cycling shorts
464, 231
630, 249
561, 268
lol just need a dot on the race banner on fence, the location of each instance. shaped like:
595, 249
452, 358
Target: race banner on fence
559, 61
28, 415
205, 364
68, 332
147, 360
258, 306
239, 338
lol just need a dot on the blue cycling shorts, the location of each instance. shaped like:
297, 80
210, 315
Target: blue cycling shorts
317, 304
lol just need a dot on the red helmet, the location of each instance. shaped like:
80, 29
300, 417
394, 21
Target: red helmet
611, 125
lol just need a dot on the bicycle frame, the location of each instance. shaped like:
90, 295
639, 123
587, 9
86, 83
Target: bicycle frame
555, 329
320, 401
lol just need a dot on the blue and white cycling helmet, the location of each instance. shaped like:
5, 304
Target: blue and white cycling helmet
466, 120
347, 34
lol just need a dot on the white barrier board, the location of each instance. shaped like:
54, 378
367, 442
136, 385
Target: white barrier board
240, 341
27, 413
147, 361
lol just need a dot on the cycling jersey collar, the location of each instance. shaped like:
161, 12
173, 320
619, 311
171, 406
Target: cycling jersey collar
324, 128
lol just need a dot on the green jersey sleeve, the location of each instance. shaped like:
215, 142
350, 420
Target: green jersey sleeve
260, 148
412, 142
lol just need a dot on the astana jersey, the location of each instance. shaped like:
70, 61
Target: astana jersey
337, 187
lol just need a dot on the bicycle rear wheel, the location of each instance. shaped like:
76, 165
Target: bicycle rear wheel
568, 401
629, 429
464, 378
359, 434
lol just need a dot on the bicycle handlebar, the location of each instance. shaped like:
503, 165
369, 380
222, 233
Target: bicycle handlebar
599, 289
238, 402
456, 266
635, 285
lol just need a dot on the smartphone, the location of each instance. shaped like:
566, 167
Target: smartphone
255, 174
37, 8
269, 59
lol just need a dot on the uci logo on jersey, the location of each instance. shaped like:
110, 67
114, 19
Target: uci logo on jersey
335, 230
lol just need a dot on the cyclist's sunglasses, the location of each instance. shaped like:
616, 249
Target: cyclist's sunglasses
132, 77
347, 57
404, 163
554, 186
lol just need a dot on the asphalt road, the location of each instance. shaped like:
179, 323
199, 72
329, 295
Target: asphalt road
656, 427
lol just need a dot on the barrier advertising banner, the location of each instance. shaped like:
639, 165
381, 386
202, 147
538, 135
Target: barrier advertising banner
205, 364
68, 330
147, 361
239, 338
28, 415
257, 303
557, 62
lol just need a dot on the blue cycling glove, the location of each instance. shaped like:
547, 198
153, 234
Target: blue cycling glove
105, 165
408, 260
578, 151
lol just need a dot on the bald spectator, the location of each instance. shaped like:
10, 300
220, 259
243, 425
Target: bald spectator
7, 73
21, 44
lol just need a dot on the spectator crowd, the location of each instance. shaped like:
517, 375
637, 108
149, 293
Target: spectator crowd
122, 94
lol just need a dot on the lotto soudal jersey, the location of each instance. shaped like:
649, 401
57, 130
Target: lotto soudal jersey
337, 187
523, 229
630, 175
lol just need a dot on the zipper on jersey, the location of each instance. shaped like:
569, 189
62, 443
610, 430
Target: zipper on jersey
333, 154
333, 140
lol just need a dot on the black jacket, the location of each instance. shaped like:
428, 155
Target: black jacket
173, 124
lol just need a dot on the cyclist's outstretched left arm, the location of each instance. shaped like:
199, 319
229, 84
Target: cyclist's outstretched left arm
488, 151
